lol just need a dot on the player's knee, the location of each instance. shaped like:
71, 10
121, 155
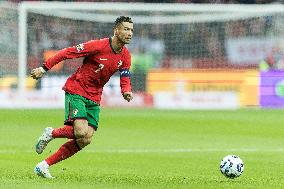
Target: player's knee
81, 133
82, 142
84, 135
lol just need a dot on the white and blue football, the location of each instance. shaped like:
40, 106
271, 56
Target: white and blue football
232, 166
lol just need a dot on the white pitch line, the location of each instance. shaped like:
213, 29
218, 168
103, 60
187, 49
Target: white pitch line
181, 150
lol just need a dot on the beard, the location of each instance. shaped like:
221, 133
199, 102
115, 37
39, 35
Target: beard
121, 40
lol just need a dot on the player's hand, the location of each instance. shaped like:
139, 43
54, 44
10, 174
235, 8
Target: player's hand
37, 73
127, 96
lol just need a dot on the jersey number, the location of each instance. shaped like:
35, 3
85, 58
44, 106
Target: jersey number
101, 66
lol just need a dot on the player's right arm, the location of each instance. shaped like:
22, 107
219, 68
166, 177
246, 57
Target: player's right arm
37, 73
81, 50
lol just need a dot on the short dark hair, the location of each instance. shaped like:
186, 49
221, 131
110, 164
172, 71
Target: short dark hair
121, 19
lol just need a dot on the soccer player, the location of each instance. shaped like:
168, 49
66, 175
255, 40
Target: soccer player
83, 90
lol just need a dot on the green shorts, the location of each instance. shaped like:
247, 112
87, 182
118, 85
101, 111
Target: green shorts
78, 107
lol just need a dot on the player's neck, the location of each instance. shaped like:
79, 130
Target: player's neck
116, 44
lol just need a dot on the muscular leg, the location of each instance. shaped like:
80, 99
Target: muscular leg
83, 135
80, 134
83, 132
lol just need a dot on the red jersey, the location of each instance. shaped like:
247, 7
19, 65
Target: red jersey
99, 64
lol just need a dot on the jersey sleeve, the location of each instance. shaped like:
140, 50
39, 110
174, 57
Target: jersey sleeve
125, 75
80, 50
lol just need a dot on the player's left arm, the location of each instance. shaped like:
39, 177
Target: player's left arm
125, 79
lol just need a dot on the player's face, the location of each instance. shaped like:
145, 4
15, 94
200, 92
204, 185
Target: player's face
125, 32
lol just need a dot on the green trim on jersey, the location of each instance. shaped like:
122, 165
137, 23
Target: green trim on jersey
78, 107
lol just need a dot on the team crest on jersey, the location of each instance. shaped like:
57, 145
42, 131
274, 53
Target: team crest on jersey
119, 63
80, 47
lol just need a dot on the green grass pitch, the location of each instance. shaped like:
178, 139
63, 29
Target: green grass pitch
144, 148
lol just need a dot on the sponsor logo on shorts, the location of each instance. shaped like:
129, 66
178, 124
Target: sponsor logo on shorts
75, 112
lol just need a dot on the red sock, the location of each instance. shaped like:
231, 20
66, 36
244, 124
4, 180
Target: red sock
65, 151
65, 132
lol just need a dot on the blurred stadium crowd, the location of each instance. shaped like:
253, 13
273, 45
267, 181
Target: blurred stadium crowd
202, 42
194, 45
168, 46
